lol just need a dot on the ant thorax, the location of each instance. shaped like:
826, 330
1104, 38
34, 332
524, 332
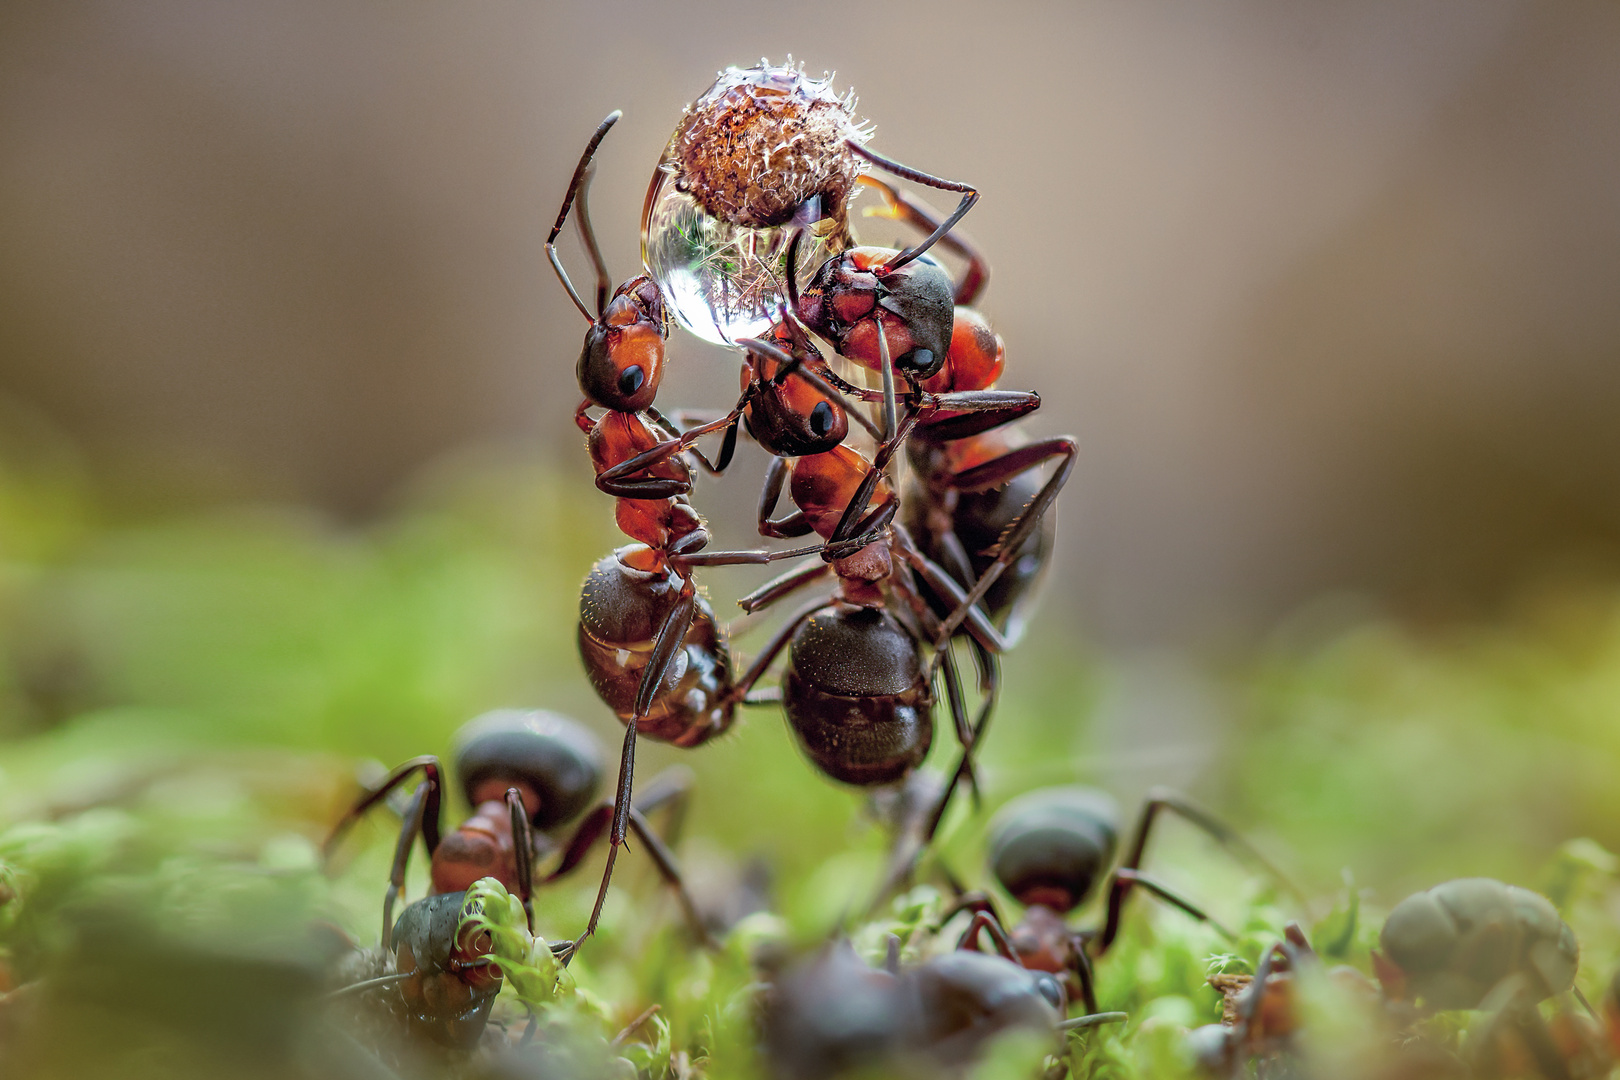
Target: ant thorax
762, 153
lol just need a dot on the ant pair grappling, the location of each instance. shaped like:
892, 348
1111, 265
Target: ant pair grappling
531, 779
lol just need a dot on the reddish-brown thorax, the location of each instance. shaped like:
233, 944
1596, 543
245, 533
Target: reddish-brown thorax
975, 360
823, 485
482, 845
618, 437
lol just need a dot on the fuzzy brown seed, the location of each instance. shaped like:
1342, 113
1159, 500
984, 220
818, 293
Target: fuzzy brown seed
763, 140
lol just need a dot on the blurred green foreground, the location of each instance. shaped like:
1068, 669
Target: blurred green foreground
187, 701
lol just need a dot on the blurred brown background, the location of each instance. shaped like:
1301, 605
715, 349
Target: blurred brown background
1329, 293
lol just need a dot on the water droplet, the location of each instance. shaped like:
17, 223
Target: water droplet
722, 281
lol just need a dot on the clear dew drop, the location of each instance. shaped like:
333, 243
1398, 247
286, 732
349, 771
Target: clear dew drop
721, 281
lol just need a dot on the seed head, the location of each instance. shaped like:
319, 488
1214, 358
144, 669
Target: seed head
762, 140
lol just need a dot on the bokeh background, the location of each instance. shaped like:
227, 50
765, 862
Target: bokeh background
1328, 294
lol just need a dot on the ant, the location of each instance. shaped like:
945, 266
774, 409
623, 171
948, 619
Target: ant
527, 775
833, 1013
1452, 945
1051, 849
1472, 943
978, 507
650, 644
637, 453
855, 688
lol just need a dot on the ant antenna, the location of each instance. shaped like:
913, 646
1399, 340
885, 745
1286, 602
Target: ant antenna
905, 172
587, 235
574, 185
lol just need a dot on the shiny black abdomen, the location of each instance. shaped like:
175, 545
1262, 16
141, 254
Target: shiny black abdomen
856, 697
620, 612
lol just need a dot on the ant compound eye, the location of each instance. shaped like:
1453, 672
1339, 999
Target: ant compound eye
821, 419
630, 379
1051, 991
918, 360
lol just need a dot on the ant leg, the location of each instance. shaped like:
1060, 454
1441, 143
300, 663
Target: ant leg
795, 524
522, 852
905, 172
684, 421
865, 531
415, 819
966, 614
671, 873
965, 772
431, 774
1161, 799
903, 206
773, 648
574, 185
968, 901
1085, 976
672, 784
671, 637
979, 411
993, 474
671, 788
778, 587
888, 429
986, 921
1122, 883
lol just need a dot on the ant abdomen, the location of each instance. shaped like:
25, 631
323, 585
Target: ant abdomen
1051, 847
856, 697
621, 610
553, 762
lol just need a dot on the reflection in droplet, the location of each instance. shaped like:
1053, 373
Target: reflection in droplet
721, 281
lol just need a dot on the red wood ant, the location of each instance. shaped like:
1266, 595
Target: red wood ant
650, 644
527, 775
855, 688
1051, 849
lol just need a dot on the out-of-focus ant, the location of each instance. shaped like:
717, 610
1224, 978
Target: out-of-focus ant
1260, 1014
1472, 943
1051, 850
1452, 945
528, 775
833, 1014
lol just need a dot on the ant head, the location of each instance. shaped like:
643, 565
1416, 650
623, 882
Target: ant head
623, 359
1051, 847
787, 413
853, 295
451, 984
551, 759
962, 998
